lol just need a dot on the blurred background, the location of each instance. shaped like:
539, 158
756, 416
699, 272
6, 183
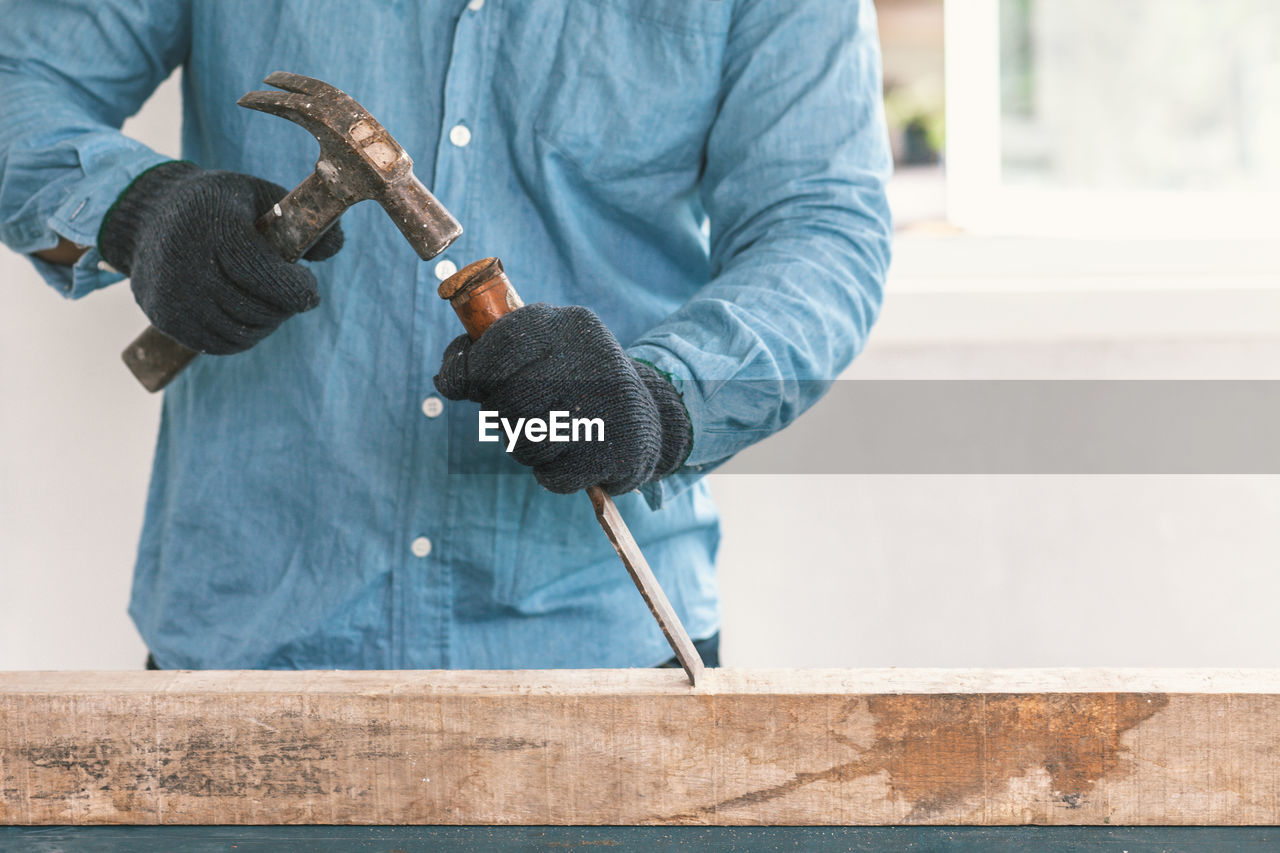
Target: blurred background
1085, 190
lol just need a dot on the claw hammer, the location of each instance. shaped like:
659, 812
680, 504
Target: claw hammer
358, 160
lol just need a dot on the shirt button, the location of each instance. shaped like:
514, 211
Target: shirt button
475, 5
445, 268
432, 407
460, 135
421, 546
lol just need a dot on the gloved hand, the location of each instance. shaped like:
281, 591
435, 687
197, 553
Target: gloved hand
198, 268
540, 359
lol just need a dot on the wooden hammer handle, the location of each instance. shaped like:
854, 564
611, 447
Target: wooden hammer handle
155, 359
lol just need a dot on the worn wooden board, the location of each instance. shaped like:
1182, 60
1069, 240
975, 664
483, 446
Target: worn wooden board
1199, 747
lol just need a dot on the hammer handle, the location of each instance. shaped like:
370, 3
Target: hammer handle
290, 227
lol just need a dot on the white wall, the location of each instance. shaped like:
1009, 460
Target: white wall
832, 570
76, 434
845, 570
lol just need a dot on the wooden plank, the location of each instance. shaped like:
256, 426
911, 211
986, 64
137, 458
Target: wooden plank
978, 747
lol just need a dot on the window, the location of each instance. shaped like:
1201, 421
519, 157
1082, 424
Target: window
1114, 118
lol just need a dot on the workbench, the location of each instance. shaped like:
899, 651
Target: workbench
748, 758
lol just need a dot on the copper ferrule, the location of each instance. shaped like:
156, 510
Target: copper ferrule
480, 293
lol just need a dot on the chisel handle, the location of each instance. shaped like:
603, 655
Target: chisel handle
480, 293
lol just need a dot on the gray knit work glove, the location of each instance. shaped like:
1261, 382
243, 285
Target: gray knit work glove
199, 269
539, 359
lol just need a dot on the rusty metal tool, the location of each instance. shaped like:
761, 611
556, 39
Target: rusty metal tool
358, 160
480, 293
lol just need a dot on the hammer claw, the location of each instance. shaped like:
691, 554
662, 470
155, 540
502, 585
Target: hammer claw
288, 105
301, 84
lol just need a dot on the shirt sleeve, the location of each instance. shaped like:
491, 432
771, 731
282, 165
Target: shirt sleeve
71, 72
800, 228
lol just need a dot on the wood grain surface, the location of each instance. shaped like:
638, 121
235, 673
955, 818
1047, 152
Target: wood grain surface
978, 747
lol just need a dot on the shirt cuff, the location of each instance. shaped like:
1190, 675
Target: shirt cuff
79, 217
705, 456
90, 273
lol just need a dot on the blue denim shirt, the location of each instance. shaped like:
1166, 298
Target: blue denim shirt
707, 175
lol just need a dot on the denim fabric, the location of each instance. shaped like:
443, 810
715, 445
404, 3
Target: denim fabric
707, 175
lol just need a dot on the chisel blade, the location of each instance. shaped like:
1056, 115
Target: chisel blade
625, 544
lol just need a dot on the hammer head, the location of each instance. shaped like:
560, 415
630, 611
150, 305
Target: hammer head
358, 159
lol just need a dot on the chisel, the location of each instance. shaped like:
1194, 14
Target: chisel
480, 293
